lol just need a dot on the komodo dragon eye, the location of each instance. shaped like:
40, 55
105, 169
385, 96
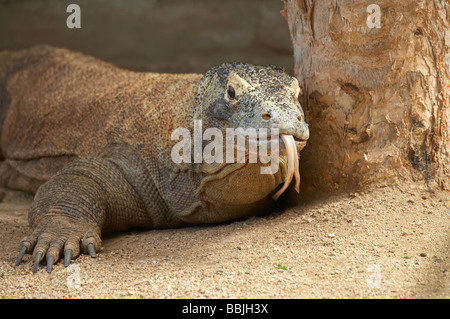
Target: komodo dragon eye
231, 92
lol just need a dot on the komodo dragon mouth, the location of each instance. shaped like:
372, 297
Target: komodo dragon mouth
293, 146
293, 166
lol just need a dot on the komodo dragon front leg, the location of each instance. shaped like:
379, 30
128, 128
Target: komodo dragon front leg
74, 207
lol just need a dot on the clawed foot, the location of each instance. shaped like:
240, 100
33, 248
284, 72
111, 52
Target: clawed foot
55, 238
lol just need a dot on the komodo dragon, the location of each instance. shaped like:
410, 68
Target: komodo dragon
94, 142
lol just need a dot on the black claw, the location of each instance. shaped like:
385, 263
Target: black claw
91, 250
36, 261
22, 252
50, 260
67, 257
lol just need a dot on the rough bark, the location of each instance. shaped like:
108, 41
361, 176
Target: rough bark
376, 99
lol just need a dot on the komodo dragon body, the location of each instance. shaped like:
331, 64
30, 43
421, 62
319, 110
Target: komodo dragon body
94, 142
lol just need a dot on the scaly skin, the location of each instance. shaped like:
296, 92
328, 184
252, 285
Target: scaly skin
94, 142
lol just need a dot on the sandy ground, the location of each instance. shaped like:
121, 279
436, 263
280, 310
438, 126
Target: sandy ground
385, 243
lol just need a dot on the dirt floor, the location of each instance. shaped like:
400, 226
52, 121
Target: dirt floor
385, 243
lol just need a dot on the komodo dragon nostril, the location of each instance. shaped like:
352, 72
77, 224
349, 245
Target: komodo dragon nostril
266, 116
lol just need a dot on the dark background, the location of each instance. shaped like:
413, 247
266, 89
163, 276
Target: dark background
155, 35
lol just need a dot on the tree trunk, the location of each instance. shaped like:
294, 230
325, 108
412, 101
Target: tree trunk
376, 91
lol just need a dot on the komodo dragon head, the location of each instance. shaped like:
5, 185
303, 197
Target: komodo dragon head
238, 95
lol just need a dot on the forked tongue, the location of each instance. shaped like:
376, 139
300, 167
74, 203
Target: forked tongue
292, 158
